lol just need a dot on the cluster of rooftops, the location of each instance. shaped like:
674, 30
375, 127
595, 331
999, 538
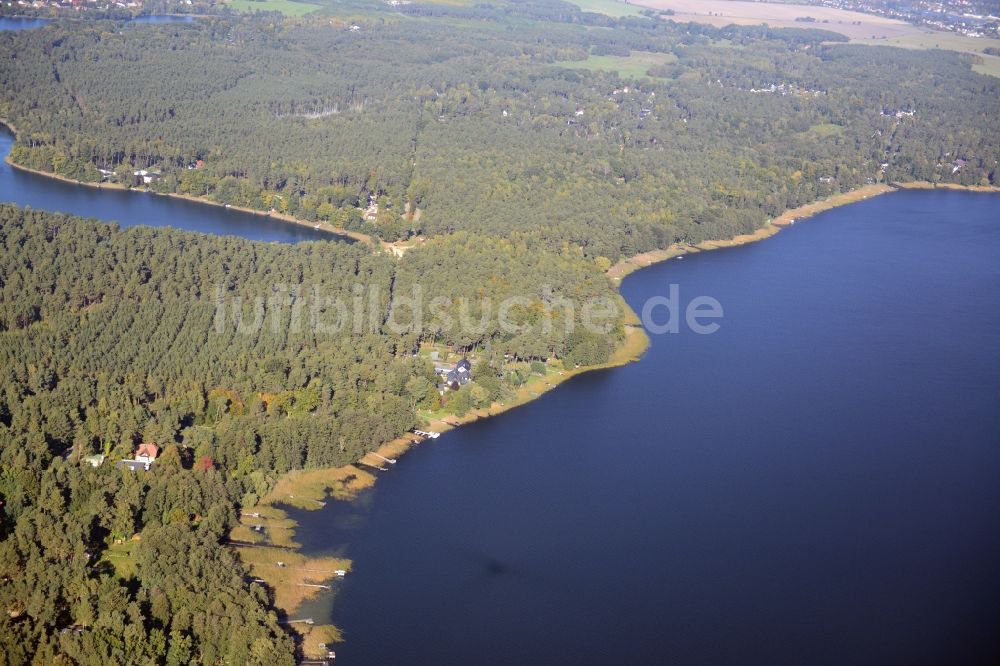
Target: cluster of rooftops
145, 456
454, 376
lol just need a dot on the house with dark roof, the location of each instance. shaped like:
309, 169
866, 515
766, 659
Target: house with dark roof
460, 374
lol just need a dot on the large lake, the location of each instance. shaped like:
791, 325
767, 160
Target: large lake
816, 483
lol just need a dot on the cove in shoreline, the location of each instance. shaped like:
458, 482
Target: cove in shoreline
339, 233
288, 219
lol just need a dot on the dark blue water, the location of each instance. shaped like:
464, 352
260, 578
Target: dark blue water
816, 483
134, 208
14, 23
163, 18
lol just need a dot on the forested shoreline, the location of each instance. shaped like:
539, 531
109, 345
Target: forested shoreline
492, 131
110, 337
335, 232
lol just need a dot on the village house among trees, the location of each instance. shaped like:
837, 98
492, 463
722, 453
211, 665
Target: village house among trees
145, 456
455, 376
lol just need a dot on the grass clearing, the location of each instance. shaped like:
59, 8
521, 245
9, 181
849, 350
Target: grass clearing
121, 556
614, 8
826, 129
990, 66
636, 343
633, 66
286, 7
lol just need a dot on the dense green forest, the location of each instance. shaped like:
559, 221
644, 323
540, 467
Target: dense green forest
501, 125
109, 338
516, 144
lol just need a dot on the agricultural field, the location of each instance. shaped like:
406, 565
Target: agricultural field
934, 39
287, 7
779, 15
345, 9
608, 7
632, 66
455, 3
860, 28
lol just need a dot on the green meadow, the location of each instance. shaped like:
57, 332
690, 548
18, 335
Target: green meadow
287, 7
609, 7
632, 66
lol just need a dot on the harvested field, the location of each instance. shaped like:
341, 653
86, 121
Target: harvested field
779, 15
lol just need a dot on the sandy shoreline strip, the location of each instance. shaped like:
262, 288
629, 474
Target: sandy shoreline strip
626, 266
789, 217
